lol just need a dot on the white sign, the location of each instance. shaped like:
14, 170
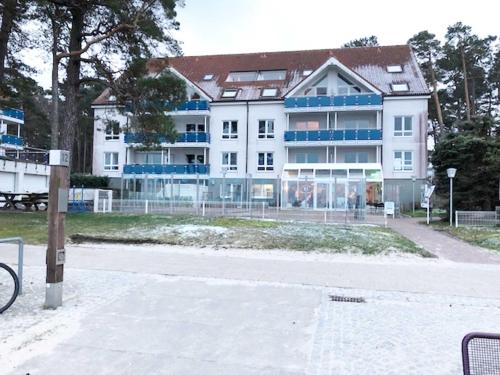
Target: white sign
59, 157
389, 208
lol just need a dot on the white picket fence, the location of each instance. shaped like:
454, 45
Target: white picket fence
477, 218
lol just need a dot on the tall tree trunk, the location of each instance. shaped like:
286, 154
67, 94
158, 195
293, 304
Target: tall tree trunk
8, 16
466, 85
72, 87
437, 103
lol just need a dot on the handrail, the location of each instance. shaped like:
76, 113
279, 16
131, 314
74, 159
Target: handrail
20, 258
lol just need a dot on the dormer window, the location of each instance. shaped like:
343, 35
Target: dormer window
306, 72
400, 87
229, 93
394, 68
208, 77
269, 92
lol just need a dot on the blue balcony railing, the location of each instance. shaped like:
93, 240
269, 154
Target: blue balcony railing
193, 105
166, 168
333, 101
12, 113
11, 140
192, 137
333, 135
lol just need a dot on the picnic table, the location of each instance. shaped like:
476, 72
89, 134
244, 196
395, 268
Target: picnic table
16, 201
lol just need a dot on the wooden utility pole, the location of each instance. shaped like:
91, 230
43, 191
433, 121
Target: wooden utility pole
58, 206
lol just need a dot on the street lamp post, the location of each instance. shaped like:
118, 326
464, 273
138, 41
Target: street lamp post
413, 179
451, 174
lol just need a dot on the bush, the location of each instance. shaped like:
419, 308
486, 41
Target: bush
88, 181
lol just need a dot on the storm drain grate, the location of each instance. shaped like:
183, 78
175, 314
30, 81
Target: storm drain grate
347, 299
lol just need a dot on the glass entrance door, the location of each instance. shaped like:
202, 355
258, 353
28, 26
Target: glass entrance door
322, 196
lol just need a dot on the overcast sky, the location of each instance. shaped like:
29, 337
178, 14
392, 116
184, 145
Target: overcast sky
236, 26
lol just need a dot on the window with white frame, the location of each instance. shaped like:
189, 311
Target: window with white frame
265, 161
262, 191
356, 157
346, 87
229, 129
111, 161
403, 160
266, 129
112, 130
195, 128
403, 126
230, 161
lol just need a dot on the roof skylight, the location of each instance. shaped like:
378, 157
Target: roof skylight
306, 72
208, 77
394, 68
229, 93
261, 75
269, 92
399, 87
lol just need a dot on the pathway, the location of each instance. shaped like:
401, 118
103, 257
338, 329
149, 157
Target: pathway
441, 244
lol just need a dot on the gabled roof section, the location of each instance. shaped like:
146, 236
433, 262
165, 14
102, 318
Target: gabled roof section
332, 61
369, 63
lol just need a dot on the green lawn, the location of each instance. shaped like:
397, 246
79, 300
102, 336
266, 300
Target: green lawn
488, 237
437, 212
217, 232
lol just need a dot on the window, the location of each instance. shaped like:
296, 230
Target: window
307, 158
356, 157
398, 87
195, 159
403, 161
356, 124
271, 75
403, 126
346, 87
321, 91
200, 159
262, 191
306, 72
208, 77
195, 128
111, 161
394, 68
265, 161
190, 158
307, 125
229, 129
230, 161
241, 76
262, 75
266, 129
112, 130
270, 92
229, 93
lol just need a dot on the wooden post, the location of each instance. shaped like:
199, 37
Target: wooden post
57, 208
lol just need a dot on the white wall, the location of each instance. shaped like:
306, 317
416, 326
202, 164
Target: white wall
409, 106
101, 145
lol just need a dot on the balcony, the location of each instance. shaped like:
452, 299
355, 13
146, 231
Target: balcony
11, 141
15, 115
330, 135
333, 103
166, 169
188, 137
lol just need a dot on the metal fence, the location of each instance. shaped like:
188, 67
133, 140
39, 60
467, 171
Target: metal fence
255, 210
477, 218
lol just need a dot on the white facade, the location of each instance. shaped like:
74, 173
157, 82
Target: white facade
345, 121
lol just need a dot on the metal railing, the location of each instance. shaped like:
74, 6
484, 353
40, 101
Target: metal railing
333, 135
477, 218
20, 258
254, 210
333, 101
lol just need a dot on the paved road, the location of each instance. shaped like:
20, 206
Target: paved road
441, 244
175, 310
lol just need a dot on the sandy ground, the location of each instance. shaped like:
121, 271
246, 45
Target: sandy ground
176, 310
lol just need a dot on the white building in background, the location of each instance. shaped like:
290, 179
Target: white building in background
22, 169
315, 129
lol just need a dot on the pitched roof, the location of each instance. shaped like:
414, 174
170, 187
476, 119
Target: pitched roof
368, 62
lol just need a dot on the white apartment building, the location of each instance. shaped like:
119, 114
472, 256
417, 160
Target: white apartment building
317, 129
